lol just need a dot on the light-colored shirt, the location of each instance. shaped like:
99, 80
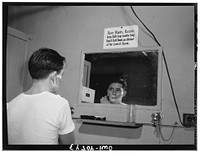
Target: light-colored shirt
38, 118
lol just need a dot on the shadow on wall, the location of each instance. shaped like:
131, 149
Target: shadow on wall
24, 74
112, 131
18, 12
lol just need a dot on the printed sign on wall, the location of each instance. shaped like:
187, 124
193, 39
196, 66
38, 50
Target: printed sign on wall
121, 37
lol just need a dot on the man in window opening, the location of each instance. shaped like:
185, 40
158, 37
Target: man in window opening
115, 93
39, 116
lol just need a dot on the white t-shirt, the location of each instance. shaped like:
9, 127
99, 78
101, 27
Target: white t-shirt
38, 118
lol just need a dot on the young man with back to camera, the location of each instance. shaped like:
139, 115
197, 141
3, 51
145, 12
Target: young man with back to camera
39, 116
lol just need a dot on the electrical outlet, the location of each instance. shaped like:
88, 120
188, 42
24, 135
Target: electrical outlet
189, 120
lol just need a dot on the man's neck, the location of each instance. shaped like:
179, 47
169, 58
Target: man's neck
39, 86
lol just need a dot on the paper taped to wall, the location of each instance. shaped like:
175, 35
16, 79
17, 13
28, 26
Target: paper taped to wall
121, 37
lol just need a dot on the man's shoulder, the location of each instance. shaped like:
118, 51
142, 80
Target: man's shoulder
57, 98
15, 98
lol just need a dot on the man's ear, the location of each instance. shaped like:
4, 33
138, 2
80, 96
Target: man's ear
52, 75
124, 94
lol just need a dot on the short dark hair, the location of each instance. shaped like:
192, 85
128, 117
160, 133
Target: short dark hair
122, 82
44, 61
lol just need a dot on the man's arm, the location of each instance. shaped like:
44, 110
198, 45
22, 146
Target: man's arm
67, 138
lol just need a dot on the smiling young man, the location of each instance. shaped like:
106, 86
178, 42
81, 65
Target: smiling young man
39, 115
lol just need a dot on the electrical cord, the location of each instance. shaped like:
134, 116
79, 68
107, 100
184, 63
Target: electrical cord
165, 61
172, 133
145, 25
171, 86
